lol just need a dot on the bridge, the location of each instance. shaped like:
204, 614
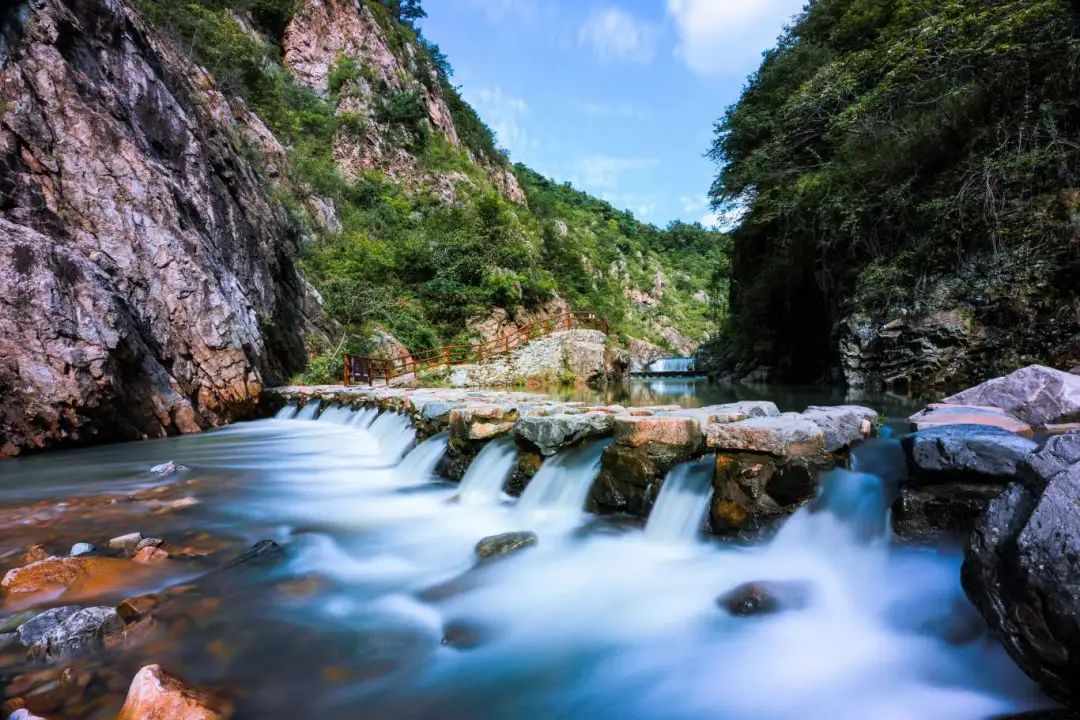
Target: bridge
364, 369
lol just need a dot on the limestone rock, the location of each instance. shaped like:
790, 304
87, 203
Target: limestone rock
843, 425
1022, 563
784, 436
938, 414
1036, 394
639, 430
965, 451
89, 630
504, 544
156, 695
549, 433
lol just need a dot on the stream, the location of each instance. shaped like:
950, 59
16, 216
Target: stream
380, 609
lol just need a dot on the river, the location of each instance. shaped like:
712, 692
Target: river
380, 610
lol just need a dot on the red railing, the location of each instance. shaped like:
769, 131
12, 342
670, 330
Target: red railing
364, 369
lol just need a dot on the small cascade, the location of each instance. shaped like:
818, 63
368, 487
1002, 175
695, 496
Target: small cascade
419, 465
394, 434
683, 501
340, 414
364, 418
850, 506
562, 483
286, 413
672, 364
309, 411
488, 472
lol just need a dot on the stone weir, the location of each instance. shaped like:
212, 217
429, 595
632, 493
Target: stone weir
767, 462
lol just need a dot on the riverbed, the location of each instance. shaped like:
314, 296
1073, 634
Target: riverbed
380, 609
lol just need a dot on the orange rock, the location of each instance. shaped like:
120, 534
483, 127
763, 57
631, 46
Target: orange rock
34, 553
638, 430
156, 695
70, 577
150, 554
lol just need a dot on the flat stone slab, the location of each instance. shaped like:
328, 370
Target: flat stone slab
938, 414
783, 436
976, 450
843, 425
1036, 394
638, 430
729, 412
551, 432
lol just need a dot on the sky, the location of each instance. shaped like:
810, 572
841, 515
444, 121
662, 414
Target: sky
619, 97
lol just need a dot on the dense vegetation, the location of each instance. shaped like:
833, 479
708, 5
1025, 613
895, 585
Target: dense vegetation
884, 145
408, 260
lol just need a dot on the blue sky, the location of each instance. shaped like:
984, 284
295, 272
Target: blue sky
618, 97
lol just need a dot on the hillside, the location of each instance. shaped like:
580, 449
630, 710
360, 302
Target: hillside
910, 174
414, 221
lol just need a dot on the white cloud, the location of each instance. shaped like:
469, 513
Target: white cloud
618, 111
693, 204
615, 34
727, 37
503, 114
603, 171
724, 219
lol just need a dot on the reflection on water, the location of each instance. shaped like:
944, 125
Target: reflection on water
380, 610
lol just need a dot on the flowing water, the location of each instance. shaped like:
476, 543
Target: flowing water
601, 619
672, 364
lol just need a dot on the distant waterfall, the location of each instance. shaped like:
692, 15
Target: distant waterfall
683, 501
309, 411
562, 483
672, 364
286, 413
419, 465
488, 472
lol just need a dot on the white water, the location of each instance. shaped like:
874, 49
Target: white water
684, 497
488, 472
672, 364
340, 414
308, 412
365, 417
419, 465
286, 413
394, 434
561, 485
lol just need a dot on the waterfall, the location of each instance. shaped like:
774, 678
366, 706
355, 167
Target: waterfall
850, 506
394, 434
684, 498
672, 364
562, 483
308, 412
286, 413
488, 472
340, 414
419, 464
365, 417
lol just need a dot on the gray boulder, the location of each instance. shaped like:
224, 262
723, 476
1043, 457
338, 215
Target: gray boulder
1022, 568
1038, 395
31, 631
549, 433
966, 452
86, 631
843, 425
498, 545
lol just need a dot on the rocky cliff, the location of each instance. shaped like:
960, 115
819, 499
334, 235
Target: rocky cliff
147, 284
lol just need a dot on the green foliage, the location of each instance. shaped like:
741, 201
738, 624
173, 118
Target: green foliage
886, 140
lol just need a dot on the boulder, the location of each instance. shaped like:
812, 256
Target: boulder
482, 422
640, 430
549, 433
783, 436
765, 598
87, 631
938, 414
1022, 563
156, 695
1036, 394
505, 543
126, 543
33, 629
965, 452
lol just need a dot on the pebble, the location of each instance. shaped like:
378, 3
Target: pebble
81, 548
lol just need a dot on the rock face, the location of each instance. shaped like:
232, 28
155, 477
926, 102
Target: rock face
1036, 394
1022, 565
156, 695
581, 353
146, 274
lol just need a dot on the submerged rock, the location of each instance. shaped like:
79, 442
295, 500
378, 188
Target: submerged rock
83, 575
156, 695
765, 597
167, 468
1022, 563
504, 544
1036, 394
86, 631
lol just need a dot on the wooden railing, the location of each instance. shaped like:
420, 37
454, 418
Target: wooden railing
368, 370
